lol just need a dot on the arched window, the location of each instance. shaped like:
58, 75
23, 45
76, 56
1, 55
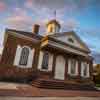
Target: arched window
45, 60
24, 56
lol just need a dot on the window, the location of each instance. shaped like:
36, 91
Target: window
24, 56
71, 40
45, 60
73, 67
51, 29
85, 69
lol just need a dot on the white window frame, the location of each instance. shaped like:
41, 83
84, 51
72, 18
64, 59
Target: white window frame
50, 62
82, 69
18, 55
23, 61
69, 68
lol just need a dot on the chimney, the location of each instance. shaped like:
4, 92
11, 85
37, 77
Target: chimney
36, 29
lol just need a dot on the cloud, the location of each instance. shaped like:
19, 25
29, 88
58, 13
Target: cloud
72, 24
19, 20
66, 5
2, 6
55, 4
44, 11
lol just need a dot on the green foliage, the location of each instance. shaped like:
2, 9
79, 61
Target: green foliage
97, 85
97, 79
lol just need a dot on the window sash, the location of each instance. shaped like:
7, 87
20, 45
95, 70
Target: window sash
85, 69
24, 56
73, 67
45, 61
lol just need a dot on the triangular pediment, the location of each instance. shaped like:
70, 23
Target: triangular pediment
71, 39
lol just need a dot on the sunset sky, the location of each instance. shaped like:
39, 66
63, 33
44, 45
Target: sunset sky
82, 16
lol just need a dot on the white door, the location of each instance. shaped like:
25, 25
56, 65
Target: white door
60, 68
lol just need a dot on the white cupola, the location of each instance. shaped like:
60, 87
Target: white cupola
53, 26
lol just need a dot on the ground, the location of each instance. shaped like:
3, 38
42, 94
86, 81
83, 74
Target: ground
48, 98
17, 91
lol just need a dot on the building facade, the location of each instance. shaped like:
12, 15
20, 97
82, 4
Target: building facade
55, 60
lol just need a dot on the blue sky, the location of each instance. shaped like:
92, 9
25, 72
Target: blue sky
82, 16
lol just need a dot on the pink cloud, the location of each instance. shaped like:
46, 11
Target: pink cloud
2, 6
29, 3
19, 20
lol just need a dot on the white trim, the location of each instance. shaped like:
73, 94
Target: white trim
69, 68
40, 60
64, 47
82, 70
30, 59
18, 55
50, 62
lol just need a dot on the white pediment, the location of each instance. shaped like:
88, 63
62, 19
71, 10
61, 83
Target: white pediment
71, 39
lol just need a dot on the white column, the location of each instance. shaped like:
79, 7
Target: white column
40, 60
88, 70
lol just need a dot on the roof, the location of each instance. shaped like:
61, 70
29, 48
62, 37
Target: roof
53, 36
28, 34
39, 37
54, 21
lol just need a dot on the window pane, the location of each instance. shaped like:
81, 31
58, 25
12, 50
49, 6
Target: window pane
73, 66
85, 69
45, 60
24, 56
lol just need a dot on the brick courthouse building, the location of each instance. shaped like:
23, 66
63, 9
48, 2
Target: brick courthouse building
55, 60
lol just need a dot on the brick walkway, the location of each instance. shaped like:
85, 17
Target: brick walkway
49, 98
28, 91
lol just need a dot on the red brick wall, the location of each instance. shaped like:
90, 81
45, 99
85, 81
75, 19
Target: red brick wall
16, 74
7, 69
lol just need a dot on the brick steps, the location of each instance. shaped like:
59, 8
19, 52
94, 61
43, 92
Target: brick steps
56, 84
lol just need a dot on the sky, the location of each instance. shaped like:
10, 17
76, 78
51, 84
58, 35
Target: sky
81, 16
